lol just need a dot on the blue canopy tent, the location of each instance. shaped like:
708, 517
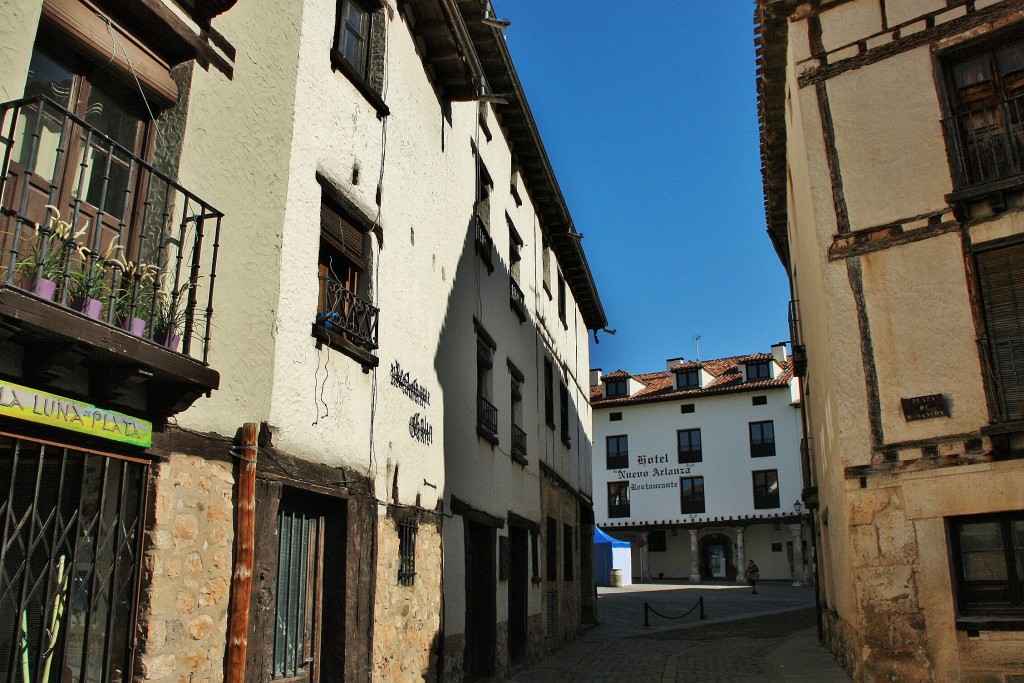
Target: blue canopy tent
611, 553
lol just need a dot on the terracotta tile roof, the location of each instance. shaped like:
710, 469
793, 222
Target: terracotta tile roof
660, 386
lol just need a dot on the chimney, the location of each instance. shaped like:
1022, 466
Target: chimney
673, 363
595, 377
779, 352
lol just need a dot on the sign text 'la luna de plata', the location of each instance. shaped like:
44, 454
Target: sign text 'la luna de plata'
32, 405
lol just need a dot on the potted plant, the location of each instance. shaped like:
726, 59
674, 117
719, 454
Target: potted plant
47, 258
169, 316
131, 312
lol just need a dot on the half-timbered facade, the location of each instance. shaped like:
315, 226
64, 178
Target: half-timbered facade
891, 163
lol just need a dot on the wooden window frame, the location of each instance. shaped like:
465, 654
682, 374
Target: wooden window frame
616, 388
689, 375
975, 600
762, 447
621, 509
692, 454
692, 503
360, 78
766, 496
620, 452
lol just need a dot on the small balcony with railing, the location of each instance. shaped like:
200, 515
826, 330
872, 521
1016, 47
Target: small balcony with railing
346, 321
486, 419
107, 265
518, 444
986, 146
762, 448
517, 300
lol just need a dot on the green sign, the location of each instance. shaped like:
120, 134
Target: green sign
32, 405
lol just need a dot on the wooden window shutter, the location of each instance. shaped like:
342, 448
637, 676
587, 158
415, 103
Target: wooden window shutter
342, 234
1002, 293
77, 24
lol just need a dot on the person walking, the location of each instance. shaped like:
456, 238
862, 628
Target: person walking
753, 573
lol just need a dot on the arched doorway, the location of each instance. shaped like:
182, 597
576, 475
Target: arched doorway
716, 558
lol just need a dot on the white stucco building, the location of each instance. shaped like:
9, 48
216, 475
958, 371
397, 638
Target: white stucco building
381, 272
699, 465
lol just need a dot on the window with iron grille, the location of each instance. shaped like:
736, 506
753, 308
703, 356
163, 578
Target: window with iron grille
484, 241
344, 303
656, 542
407, 529
73, 523
487, 412
988, 562
1002, 297
617, 452
762, 439
618, 499
688, 442
535, 554
568, 556
691, 495
516, 379
985, 92
766, 489
545, 267
552, 548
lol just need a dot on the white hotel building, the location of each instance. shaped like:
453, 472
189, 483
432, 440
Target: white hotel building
699, 466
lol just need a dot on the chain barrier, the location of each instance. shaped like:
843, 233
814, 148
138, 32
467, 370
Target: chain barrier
648, 609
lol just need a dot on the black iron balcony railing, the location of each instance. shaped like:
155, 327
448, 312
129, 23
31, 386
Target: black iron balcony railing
517, 299
617, 461
692, 504
518, 440
618, 509
1004, 356
987, 144
690, 455
766, 499
484, 243
347, 313
794, 321
91, 226
762, 449
486, 416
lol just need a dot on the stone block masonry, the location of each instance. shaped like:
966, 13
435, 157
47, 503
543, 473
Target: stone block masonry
407, 619
187, 571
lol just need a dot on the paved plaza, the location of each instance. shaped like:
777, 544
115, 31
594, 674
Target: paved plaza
770, 636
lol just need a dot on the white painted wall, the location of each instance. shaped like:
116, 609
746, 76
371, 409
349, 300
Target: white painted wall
726, 466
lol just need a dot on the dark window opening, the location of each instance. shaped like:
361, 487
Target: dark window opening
616, 387
568, 556
986, 101
762, 439
688, 441
407, 530
759, 370
618, 499
614, 417
617, 452
688, 379
549, 393
561, 299
563, 391
759, 400
691, 495
766, 489
687, 408
656, 542
487, 412
552, 549
1002, 295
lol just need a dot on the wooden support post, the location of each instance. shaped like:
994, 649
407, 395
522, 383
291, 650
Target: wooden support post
241, 580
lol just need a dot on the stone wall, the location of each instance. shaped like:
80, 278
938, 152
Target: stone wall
560, 502
187, 566
407, 621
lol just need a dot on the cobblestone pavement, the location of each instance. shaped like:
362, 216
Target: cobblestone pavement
770, 636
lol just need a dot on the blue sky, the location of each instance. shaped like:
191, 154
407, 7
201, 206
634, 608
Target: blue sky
649, 118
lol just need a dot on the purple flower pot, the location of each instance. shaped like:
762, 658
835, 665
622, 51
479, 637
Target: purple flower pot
167, 339
136, 326
43, 288
91, 307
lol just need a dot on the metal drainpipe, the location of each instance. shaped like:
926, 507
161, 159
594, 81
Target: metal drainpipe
466, 41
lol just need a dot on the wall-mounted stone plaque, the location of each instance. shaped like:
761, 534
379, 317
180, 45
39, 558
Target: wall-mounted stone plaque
924, 407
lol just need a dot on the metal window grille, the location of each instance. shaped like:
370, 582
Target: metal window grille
552, 614
407, 529
298, 542
69, 561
